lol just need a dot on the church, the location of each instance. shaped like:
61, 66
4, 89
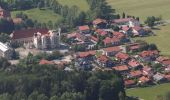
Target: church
37, 38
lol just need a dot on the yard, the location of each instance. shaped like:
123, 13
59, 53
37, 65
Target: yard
149, 93
40, 15
161, 39
142, 8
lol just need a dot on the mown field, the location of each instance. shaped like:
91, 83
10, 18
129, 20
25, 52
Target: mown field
82, 4
47, 15
161, 39
149, 93
142, 8
40, 15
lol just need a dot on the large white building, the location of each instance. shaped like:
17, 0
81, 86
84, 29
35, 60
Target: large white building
5, 51
38, 38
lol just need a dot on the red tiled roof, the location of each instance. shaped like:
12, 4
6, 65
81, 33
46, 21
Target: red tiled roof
94, 38
98, 21
134, 47
137, 28
101, 32
129, 82
108, 40
122, 20
167, 62
84, 28
103, 58
121, 68
72, 35
167, 77
86, 54
122, 56
133, 63
162, 58
125, 28
46, 62
118, 35
135, 73
149, 53
19, 34
112, 49
144, 79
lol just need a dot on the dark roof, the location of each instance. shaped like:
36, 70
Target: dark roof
19, 34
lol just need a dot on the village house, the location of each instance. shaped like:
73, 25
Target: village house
99, 23
104, 61
149, 55
158, 78
135, 74
122, 56
129, 83
111, 51
138, 31
147, 71
167, 77
111, 41
4, 13
121, 68
144, 80
84, 59
134, 64
134, 47
5, 51
126, 22
84, 29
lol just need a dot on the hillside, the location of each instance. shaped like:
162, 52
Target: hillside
142, 8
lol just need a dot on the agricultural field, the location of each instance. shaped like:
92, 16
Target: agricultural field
40, 15
82, 4
142, 8
161, 39
149, 93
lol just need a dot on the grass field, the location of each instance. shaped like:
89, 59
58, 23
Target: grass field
82, 4
161, 39
142, 8
149, 93
40, 15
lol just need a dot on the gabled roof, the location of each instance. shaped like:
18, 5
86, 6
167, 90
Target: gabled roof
149, 53
101, 32
137, 28
144, 79
46, 62
98, 21
122, 56
84, 28
135, 73
108, 40
167, 62
121, 68
112, 49
86, 54
129, 82
125, 28
103, 58
162, 58
133, 63
27, 33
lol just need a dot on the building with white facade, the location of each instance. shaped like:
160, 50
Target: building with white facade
5, 51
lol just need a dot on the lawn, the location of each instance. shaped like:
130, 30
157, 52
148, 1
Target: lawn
82, 4
161, 39
142, 8
40, 15
149, 93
